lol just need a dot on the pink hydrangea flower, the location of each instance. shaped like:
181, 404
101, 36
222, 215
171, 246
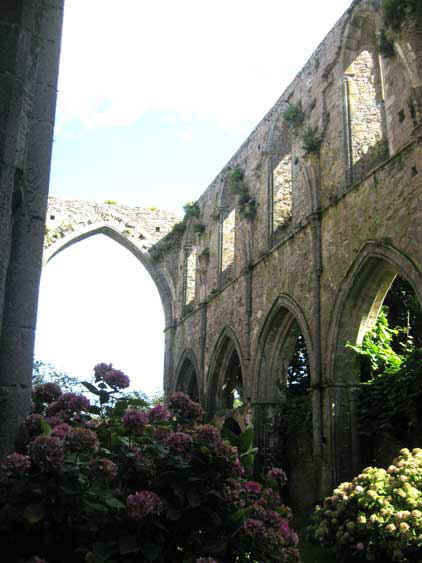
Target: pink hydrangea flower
180, 442
159, 413
143, 503
16, 463
253, 527
61, 430
116, 378
105, 467
275, 474
100, 370
81, 440
46, 452
47, 392
69, 404
208, 434
184, 408
360, 546
135, 420
252, 487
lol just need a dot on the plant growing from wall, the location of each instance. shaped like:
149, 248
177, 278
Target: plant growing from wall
311, 141
294, 114
237, 185
205, 253
110, 202
397, 12
199, 228
192, 210
385, 44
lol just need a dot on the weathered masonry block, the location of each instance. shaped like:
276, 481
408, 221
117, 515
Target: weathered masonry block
290, 251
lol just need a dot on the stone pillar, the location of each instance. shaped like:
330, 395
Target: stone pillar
30, 33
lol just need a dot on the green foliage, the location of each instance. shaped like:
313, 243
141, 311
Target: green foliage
188, 308
396, 12
294, 114
110, 202
235, 180
377, 348
205, 253
377, 516
246, 203
311, 140
385, 44
390, 405
192, 210
199, 228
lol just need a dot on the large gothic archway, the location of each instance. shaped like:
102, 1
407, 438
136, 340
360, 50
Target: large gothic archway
357, 306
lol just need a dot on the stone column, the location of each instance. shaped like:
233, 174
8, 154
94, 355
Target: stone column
30, 36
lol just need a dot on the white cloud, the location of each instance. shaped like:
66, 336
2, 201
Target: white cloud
225, 60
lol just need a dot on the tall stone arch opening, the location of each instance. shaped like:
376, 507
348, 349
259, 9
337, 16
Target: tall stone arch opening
356, 310
226, 388
284, 373
187, 376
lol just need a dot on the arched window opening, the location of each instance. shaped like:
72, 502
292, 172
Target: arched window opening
226, 390
228, 228
283, 410
365, 135
97, 298
190, 276
187, 381
281, 195
232, 388
375, 371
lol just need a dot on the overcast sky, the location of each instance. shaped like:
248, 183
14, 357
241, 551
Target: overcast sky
154, 98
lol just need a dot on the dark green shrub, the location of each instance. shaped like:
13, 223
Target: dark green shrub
396, 12
192, 210
311, 140
294, 114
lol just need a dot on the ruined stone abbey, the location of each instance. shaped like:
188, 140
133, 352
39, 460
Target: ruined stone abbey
300, 234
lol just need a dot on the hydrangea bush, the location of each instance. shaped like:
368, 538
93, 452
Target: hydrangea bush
376, 517
120, 481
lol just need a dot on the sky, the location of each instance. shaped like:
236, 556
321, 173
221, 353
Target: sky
153, 99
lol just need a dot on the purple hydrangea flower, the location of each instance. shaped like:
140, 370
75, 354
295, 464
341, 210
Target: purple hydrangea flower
208, 434
184, 408
61, 430
105, 467
252, 487
47, 392
159, 413
100, 370
16, 463
277, 475
116, 378
135, 420
141, 462
180, 442
69, 404
46, 452
81, 440
143, 503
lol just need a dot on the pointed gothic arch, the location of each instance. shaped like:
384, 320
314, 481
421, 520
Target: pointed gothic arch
358, 303
225, 379
187, 377
161, 281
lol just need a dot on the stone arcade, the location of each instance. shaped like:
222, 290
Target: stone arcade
330, 211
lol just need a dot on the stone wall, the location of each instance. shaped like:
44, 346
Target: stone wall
326, 242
